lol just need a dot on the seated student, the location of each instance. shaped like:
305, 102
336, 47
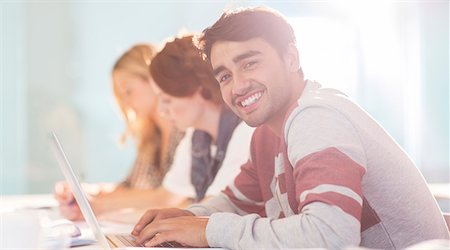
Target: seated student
155, 137
190, 97
182, 185
322, 172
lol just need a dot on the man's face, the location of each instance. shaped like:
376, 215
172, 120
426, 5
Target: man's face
254, 80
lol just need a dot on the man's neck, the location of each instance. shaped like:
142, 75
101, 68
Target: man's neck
276, 124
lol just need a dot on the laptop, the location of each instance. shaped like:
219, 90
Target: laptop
105, 241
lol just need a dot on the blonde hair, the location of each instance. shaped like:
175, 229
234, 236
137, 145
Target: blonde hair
156, 138
135, 60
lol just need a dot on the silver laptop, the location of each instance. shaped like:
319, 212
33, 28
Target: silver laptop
105, 241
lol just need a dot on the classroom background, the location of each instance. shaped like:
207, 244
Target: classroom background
391, 57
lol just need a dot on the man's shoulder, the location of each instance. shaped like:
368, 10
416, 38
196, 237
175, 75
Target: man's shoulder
316, 95
315, 101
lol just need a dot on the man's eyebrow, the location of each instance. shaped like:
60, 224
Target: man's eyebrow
236, 59
217, 70
245, 55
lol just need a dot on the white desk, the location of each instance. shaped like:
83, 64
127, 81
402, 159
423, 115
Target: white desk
46, 205
13, 202
46, 202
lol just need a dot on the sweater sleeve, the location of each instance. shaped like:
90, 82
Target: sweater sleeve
309, 229
219, 203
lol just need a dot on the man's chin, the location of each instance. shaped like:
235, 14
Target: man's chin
251, 123
249, 118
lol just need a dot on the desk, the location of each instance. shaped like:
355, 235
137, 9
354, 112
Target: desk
13, 202
29, 204
42, 204
46, 202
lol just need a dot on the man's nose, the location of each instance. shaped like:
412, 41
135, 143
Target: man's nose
241, 85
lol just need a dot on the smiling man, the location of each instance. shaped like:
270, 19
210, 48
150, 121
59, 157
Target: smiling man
322, 172
256, 81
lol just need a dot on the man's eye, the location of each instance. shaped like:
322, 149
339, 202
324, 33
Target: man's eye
249, 64
224, 78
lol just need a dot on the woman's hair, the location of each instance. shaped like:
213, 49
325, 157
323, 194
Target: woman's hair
179, 70
155, 137
135, 60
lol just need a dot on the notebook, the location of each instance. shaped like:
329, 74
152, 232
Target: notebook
105, 241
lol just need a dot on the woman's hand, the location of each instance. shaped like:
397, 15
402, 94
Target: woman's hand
68, 207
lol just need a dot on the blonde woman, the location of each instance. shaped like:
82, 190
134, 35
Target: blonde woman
154, 136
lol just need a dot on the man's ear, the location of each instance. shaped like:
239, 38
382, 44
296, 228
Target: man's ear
291, 58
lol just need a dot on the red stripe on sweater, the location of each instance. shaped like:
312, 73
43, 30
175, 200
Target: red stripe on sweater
349, 205
369, 216
247, 182
248, 207
329, 166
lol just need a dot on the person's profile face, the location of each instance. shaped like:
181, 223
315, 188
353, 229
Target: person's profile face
252, 78
136, 92
183, 112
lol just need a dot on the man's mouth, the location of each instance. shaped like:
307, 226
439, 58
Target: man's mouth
250, 100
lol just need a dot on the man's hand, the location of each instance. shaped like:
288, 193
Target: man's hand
160, 225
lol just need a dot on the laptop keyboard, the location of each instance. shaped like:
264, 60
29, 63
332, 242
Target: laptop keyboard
128, 240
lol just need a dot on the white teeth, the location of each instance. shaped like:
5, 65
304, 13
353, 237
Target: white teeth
251, 99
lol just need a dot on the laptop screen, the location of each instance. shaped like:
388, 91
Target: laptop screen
78, 192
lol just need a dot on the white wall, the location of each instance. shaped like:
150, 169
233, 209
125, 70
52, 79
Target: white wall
56, 63
13, 104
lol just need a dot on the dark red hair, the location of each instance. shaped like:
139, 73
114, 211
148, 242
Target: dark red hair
179, 70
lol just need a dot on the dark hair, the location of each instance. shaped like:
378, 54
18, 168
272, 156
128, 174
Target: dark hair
179, 70
246, 23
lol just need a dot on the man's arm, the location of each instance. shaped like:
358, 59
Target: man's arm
219, 203
307, 229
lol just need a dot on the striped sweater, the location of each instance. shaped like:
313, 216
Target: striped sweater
334, 179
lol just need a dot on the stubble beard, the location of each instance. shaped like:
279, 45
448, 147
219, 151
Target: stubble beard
254, 119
